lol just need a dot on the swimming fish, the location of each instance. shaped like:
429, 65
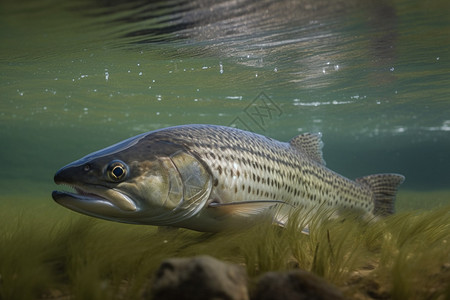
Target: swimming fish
210, 178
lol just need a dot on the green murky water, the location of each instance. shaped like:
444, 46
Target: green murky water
373, 77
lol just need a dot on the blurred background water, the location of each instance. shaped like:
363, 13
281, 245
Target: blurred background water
372, 76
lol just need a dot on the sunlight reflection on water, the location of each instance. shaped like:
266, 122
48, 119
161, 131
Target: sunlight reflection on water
368, 76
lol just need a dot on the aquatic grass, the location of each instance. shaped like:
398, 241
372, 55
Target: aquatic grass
22, 273
338, 252
109, 259
51, 253
265, 249
333, 249
415, 254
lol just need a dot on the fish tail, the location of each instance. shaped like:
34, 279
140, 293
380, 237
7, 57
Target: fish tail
384, 187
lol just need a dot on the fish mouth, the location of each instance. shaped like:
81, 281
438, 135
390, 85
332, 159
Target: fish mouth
95, 200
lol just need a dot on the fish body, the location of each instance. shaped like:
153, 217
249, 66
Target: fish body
209, 178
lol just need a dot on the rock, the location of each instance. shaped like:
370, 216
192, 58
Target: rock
296, 285
200, 278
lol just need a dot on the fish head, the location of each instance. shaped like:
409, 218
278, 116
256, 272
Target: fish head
137, 181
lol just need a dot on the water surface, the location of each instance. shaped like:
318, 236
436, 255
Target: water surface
371, 76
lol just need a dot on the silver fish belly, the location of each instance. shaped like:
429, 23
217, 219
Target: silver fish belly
209, 178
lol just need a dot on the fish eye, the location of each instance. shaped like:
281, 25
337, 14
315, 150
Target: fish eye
116, 171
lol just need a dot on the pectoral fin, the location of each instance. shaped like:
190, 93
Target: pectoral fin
244, 208
249, 210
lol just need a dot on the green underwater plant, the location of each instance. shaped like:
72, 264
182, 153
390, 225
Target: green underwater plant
49, 253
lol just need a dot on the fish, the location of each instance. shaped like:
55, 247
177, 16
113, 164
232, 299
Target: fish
211, 178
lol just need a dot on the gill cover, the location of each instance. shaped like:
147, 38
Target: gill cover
190, 185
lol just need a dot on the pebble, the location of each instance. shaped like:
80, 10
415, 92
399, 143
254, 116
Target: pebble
297, 284
200, 278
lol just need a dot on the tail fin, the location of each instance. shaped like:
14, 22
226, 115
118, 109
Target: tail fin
384, 187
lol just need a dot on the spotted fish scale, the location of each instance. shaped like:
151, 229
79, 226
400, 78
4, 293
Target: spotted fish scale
247, 166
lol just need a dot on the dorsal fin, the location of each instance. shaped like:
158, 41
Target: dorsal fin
309, 144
